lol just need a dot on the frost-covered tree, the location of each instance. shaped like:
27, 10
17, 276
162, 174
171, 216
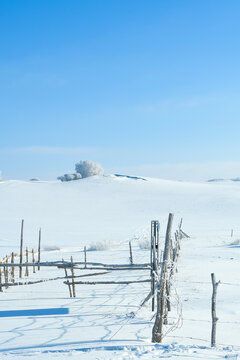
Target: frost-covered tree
88, 168
70, 177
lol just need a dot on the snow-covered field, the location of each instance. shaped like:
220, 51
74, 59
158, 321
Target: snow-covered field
106, 321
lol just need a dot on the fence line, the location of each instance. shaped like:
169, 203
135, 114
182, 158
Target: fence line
8, 263
162, 271
207, 282
209, 321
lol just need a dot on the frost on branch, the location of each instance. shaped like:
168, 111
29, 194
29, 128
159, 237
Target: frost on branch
88, 168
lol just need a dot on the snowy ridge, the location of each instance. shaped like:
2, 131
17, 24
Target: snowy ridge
219, 180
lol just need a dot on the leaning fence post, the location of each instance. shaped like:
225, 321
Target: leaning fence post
130, 252
73, 282
214, 316
21, 250
180, 224
39, 247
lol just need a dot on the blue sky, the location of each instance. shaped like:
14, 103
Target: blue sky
136, 85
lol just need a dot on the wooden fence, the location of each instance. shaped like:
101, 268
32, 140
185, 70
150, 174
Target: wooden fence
159, 271
9, 263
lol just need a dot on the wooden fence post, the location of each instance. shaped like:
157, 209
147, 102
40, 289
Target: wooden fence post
85, 256
69, 286
33, 260
167, 281
151, 263
73, 281
153, 257
6, 272
180, 224
39, 247
21, 250
1, 280
168, 295
26, 270
157, 332
13, 270
214, 316
130, 252
156, 232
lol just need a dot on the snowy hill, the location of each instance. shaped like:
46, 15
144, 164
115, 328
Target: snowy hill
111, 207
106, 212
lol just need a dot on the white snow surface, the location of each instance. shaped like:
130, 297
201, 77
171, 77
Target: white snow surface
106, 321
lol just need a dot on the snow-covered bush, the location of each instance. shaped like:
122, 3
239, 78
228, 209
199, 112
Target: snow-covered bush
70, 177
142, 238
51, 248
88, 168
101, 245
144, 244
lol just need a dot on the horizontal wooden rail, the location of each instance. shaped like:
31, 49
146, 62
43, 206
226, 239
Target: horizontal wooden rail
110, 268
85, 275
107, 282
8, 257
109, 265
21, 283
75, 266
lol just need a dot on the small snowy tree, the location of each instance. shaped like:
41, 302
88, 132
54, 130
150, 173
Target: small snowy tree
62, 178
88, 168
70, 177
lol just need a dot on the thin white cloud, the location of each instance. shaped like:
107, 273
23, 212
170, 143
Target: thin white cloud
45, 150
187, 102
